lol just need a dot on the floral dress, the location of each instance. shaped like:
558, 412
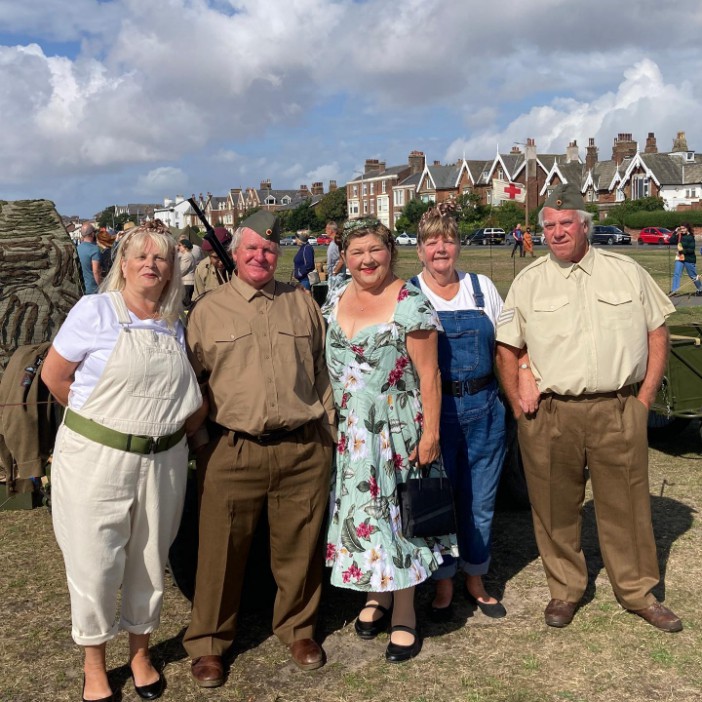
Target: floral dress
376, 392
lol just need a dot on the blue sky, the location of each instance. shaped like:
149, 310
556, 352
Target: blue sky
137, 101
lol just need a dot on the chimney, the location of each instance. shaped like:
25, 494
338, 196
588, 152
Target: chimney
266, 184
624, 147
317, 188
372, 166
332, 186
515, 150
416, 161
437, 163
572, 152
590, 154
303, 190
651, 147
680, 142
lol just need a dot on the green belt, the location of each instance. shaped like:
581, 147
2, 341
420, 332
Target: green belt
133, 443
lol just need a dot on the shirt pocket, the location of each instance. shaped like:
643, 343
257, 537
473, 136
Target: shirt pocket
614, 308
553, 317
296, 347
234, 348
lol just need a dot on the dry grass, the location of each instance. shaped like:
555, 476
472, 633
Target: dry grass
606, 654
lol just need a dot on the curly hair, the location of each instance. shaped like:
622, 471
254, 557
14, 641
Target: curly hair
135, 242
439, 220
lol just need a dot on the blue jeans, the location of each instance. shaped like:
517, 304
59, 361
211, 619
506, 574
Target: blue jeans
473, 449
691, 270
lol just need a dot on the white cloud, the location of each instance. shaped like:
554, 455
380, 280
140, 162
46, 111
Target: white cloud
165, 179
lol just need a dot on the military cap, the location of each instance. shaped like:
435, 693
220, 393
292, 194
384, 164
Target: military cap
265, 224
223, 236
566, 196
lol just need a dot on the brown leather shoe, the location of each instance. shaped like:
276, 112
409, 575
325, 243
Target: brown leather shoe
660, 616
307, 654
208, 671
559, 613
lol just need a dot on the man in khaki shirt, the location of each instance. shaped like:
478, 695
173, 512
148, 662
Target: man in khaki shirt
582, 347
257, 347
210, 272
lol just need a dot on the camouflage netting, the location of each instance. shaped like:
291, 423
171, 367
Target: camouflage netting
39, 276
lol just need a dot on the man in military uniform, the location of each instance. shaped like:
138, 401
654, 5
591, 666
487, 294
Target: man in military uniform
257, 346
210, 273
593, 325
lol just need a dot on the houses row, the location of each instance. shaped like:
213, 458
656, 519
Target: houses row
524, 176
527, 177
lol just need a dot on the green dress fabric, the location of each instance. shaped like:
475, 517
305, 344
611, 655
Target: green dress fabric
376, 392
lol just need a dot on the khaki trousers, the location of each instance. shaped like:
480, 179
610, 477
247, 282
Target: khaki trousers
236, 477
608, 435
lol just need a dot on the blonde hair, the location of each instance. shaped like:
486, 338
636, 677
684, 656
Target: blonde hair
135, 240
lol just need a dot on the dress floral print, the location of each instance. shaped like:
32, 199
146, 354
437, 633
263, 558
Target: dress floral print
376, 392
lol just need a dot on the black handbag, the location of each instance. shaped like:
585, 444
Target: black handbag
426, 507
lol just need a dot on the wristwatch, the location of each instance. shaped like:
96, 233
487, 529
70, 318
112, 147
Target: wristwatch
524, 366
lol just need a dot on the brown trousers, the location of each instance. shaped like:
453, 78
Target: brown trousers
236, 477
608, 435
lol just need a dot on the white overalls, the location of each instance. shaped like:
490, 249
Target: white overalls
115, 512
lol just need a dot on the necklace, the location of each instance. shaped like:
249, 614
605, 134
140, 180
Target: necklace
140, 311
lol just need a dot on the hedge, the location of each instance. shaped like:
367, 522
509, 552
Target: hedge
657, 218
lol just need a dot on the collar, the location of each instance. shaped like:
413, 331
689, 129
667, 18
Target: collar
566, 268
248, 293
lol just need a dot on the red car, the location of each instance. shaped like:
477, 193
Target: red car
323, 240
655, 235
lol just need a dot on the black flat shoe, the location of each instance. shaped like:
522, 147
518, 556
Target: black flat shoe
440, 614
369, 630
111, 698
395, 653
494, 611
153, 690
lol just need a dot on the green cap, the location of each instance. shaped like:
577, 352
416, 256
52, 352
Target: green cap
265, 224
566, 196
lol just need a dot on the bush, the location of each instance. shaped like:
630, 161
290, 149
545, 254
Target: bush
657, 218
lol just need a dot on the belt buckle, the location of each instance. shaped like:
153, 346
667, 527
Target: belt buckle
457, 387
152, 444
264, 438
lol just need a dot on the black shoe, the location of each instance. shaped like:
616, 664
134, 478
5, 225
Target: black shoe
494, 611
395, 653
153, 690
369, 630
102, 699
440, 614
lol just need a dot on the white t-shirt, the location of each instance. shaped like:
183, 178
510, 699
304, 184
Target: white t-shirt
89, 335
464, 299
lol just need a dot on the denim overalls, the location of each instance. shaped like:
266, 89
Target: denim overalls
472, 429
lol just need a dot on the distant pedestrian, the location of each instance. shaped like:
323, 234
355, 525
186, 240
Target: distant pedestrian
89, 256
528, 243
335, 264
518, 237
685, 259
303, 263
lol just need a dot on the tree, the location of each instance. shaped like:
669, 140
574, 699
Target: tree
108, 220
304, 217
333, 206
411, 214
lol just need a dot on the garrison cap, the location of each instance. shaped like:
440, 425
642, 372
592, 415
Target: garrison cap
265, 224
223, 236
566, 196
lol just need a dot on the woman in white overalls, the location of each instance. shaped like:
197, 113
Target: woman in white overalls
119, 469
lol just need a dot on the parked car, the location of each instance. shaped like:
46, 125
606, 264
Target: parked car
405, 239
323, 240
655, 235
608, 234
287, 241
312, 241
485, 236
538, 238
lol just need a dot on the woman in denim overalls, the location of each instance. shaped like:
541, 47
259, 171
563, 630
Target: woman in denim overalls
472, 415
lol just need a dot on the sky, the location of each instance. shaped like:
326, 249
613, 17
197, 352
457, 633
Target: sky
107, 102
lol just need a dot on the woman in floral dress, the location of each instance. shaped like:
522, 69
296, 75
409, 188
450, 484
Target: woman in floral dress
382, 359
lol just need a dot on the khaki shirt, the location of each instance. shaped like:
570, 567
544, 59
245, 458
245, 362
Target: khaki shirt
207, 277
260, 356
585, 324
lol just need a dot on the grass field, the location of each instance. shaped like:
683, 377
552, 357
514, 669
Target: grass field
495, 262
606, 655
